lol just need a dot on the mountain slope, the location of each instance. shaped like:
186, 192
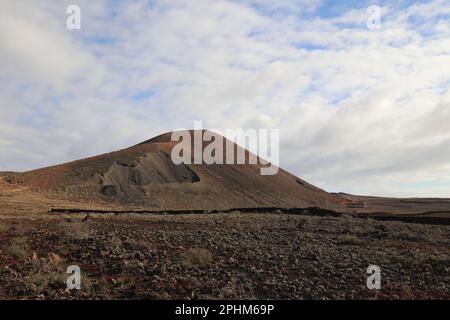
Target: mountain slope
144, 176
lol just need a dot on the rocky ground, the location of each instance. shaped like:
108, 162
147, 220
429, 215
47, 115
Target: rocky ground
221, 256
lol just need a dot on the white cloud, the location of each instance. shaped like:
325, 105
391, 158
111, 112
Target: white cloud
359, 111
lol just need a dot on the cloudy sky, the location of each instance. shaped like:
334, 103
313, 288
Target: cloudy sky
361, 110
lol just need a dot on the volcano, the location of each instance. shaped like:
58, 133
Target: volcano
144, 176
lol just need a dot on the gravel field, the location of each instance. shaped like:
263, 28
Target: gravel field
221, 256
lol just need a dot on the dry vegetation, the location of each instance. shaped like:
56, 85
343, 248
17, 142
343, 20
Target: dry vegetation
231, 256
73, 230
18, 248
3, 228
196, 257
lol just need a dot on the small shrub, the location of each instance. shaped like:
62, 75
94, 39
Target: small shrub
351, 239
409, 236
347, 217
44, 280
407, 293
73, 231
309, 236
304, 223
196, 257
18, 248
3, 228
49, 281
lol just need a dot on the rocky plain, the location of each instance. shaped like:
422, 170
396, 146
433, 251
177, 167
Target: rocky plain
221, 256
137, 226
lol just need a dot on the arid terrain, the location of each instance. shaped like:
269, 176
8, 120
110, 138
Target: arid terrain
140, 227
222, 256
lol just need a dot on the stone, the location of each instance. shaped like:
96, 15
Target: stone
54, 258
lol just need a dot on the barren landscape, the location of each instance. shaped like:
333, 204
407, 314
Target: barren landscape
140, 227
222, 256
